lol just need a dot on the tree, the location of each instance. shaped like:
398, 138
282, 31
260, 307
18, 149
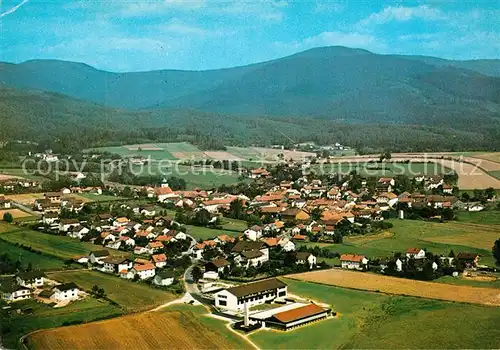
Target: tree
496, 251
490, 192
196, 273
236, 208
202, 217
7, 217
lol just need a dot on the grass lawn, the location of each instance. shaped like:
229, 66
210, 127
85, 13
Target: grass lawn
38, 261
469, 282
199, 232
438, 238
59, 246
370, 320
234, 224
43, 316
490, 217
495, 174
130, 295
100, 198
20, 173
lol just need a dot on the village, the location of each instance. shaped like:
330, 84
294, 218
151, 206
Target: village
148, 238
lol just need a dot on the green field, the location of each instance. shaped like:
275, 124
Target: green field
44, 316
100, 197
384, 169
234, 225
438, 238
469, 282
370, 320
490, 217
59, 246
495, 174
20, 172
199, 232
130, 295
164, 151
38, 261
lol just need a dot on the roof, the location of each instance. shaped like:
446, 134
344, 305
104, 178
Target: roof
256, 287
252, 254
271, 241
302, 255
352, 257
30, 276
247, 245
219, 262
9, 285
413, 250
159, 258
299, 313
163, 190
66, 286
144, 267
100, 253
467, 256
114, 260
53, 194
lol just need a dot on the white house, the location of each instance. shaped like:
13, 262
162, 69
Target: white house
160, 260
144, 271
116, 265
287, 245
97, 256
253, 233
257, 293
164, 193
164, 278
180, 236
65, 292
249, 253
305, 258
49, 218
32, 279
10, 291
475, 207
66, 224
415, 253
353, 261
78, 232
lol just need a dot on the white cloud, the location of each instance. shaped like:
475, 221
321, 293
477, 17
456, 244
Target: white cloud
178, 27
13, 9
336, 38
327, 6
267, 10
141, 8
401, 14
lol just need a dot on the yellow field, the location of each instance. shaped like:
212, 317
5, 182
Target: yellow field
360, 240
153, 330
16, 213
473, 235
402, 286
29, 198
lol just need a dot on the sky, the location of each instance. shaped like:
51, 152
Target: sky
143, 35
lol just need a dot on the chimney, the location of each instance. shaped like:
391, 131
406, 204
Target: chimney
246, 316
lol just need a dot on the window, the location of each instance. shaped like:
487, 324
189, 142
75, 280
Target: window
282, 294
223, 303
222, 297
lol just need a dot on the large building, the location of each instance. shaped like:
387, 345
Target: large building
290, 316
234, 299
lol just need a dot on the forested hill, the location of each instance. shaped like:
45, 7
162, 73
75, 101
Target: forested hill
336, 83
72, 123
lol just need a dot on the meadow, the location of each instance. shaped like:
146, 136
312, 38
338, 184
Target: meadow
179, 327
381, 169
61, 247
44, 316
37, 261
131, 296
438, 238
378, 321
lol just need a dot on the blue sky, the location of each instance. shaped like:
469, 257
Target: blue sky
205, 34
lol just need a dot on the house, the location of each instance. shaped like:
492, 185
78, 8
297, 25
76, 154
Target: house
53, 197
287, 245
122, 221
299, 238
65, 292
130, 242
415, 253
49, 218
164, 192
11, 291
78, 232
252, 294
292, 317
250, 253
148, 211
164, 278
66, 224
258, 173
217, 265
116, 265
253, 233
475, 207
160, 260
32, 279
138, 250
154, 247
468, 260
144, 271
180, 236
96, 256
447, 189
303, 258
4, 203
353, 261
